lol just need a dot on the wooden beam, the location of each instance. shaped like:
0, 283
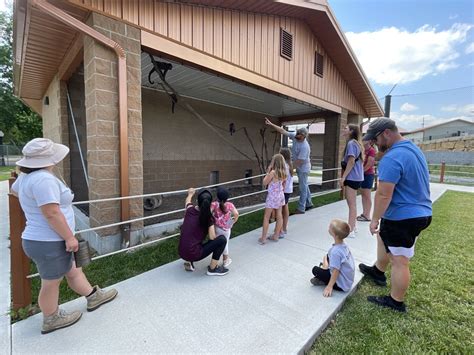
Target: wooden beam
73, 58
307, 117
176, 49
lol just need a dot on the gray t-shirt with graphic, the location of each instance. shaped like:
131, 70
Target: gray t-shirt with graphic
300, 151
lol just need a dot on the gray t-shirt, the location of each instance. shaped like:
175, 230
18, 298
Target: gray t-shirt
300, 151
340, 258
37, 189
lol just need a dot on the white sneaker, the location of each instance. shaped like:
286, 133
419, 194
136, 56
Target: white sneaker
227, 262
283, 234
352, 235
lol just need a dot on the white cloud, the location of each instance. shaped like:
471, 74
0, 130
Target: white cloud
449, 108
393, 55
470, 48
466, 110
453, 17
406, 107
411, 122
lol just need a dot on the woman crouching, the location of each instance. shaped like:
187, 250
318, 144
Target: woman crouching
197, 224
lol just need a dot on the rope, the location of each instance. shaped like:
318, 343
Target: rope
177, 234
178, 191
177, 99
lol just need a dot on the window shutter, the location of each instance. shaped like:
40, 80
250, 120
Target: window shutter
318, 64
286, 44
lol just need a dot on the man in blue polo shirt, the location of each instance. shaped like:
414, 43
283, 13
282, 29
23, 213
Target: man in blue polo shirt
403, 206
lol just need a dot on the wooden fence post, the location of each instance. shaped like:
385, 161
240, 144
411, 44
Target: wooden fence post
20, 264
441, 173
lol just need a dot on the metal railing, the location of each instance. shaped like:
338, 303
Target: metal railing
446, 170
20, 264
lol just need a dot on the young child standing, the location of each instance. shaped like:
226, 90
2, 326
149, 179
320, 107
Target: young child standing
286, 153
223, 212
337, 269
275, 179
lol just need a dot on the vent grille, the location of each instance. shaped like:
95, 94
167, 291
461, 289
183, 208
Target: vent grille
286, 44
318, 64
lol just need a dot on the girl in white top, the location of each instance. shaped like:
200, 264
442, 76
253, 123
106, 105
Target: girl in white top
48, 238
286, 152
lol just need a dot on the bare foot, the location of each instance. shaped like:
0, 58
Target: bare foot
262, 241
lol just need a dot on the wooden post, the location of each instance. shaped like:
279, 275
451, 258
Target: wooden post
441, 173
20, 264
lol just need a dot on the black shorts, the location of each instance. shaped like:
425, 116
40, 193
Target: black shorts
287, 198
399, 237
355, 185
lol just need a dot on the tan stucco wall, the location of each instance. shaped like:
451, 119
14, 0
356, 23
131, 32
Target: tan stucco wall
55, 120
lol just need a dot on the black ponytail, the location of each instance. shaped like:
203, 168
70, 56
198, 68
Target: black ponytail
205, 215
222, 207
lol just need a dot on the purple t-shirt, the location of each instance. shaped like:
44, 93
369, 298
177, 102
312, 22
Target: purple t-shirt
192, 235
357, 172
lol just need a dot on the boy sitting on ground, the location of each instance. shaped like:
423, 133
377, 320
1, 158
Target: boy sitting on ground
337, 269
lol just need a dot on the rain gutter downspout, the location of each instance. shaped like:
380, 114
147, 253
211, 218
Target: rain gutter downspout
67, 19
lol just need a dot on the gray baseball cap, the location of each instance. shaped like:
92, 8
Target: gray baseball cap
377, 126
303, 131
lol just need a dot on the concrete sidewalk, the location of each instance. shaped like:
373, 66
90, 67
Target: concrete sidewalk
264, 305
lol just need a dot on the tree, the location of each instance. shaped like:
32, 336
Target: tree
17, 121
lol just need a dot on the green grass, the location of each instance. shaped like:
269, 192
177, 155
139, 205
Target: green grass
5, 172
116, 268
440, 303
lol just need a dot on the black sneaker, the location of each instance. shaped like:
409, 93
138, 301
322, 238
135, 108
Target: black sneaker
387, 301
217, 271
370, 271
317, 282
309, 208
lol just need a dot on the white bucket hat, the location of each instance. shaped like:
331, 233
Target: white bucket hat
41, 153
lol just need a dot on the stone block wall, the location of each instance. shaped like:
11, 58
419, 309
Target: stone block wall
456, 144
170, 175
102, 116
334, 144
180, 151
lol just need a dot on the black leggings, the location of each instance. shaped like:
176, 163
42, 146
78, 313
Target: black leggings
216, 247
324, 275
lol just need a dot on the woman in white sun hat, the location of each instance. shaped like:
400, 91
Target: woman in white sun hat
48, 238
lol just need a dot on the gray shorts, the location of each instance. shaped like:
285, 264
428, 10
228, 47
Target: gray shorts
51, 258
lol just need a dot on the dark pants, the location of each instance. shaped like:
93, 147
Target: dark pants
324, 275
216, 247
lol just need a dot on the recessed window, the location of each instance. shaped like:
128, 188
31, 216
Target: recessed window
248, 174
214, 177
286, 44
318, 64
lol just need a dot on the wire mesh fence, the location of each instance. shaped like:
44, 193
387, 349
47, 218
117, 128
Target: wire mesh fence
9, 154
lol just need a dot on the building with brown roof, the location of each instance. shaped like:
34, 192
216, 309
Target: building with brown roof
234, 62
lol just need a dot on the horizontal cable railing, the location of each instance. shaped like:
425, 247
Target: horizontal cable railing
177, 234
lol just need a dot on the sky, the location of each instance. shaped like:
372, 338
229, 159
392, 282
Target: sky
420, 46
